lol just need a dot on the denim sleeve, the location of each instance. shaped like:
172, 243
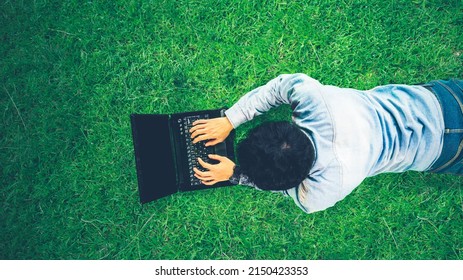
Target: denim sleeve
280, 90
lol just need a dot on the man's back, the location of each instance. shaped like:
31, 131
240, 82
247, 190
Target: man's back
392, 128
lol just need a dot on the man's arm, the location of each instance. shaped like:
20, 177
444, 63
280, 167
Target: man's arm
281, 90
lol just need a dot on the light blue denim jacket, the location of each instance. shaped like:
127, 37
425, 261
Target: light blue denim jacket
356, 134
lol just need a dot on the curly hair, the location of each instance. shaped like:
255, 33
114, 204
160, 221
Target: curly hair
276, 156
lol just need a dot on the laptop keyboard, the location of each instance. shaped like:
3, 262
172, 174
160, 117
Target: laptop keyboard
194, 151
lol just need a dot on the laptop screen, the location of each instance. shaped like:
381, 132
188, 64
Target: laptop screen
153, 154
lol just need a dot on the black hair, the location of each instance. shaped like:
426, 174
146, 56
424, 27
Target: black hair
276, 156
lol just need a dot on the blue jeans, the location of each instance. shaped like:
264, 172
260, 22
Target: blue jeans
450, 96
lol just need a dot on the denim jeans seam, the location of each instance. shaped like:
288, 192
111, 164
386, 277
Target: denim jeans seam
452, 160
453, 130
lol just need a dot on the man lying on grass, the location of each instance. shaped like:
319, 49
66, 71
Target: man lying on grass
338, 137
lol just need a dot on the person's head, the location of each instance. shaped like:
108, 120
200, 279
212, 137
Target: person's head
276, 156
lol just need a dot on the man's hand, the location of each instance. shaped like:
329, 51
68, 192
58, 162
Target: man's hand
215, 173
215, 130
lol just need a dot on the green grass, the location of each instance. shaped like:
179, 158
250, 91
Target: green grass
73, 71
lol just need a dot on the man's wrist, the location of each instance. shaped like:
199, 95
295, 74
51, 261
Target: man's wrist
228, 123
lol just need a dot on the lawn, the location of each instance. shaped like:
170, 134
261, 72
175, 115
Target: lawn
73, 71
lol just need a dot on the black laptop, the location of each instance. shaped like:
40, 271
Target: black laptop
165, 155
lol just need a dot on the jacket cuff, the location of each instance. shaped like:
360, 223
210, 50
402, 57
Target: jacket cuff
235, 115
